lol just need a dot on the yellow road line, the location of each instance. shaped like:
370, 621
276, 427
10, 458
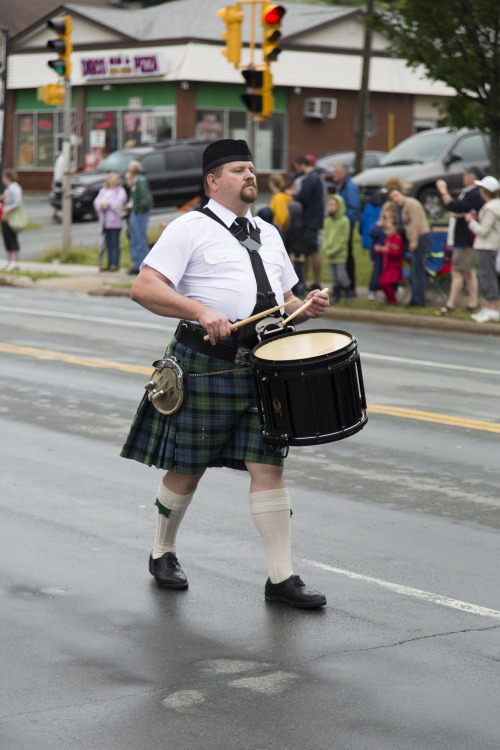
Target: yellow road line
108, 364
429, 416
391, 411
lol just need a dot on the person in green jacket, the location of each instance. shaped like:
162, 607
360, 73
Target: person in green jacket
140, 204
335, 244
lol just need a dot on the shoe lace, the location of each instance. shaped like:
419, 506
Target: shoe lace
172, 560
297, 581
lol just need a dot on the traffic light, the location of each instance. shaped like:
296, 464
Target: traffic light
232, 16
52, 93
272, 13
260, 100
62, 45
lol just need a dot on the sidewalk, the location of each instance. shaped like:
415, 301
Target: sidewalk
89, 280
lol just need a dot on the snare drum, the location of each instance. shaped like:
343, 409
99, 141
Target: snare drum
310, 388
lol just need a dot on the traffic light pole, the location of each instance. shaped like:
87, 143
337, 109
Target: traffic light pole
66, 185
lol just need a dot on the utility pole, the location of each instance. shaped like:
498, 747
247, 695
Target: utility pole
4, 33
67, 203
63, 47
364, 94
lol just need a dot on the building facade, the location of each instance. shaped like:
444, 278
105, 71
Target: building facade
148, 74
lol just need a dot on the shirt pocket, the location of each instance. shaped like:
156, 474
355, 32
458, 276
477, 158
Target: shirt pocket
215, 255
273, 258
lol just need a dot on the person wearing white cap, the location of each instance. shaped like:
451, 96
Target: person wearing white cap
487, 242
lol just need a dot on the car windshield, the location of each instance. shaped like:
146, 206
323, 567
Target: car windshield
118, 162
418, 149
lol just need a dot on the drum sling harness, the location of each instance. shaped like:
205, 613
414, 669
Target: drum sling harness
249, 236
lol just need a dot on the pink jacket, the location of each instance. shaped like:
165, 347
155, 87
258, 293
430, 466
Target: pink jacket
115, 198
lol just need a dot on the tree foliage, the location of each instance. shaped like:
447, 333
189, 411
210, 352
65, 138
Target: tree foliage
458, 43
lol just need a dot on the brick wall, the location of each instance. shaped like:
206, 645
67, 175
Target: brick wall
186, 111
317, 137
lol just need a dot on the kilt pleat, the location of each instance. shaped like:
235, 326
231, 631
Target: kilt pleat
213, 426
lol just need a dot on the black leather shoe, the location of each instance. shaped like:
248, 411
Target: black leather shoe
294, 592
167, 572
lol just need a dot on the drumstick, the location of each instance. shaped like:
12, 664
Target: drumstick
256, 317
301, 308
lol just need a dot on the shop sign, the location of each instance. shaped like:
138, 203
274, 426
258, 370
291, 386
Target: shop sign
123, 66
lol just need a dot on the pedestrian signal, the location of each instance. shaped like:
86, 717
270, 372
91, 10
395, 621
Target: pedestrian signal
52, 93
62, 45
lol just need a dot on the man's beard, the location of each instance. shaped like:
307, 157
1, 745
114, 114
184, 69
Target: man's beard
250, 196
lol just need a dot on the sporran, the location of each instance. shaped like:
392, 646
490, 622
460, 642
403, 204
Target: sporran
167, 387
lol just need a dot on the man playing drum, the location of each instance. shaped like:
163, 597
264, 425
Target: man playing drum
203, 270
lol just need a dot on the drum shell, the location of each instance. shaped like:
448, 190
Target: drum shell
311, 400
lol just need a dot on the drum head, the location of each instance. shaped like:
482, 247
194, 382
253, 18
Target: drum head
302, 345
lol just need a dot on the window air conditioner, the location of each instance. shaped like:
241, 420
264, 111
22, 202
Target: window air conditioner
322, 109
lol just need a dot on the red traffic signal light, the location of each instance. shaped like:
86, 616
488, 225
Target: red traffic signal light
62, 45
272, 13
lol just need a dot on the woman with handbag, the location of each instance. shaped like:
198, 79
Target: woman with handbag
109, 205
14, 217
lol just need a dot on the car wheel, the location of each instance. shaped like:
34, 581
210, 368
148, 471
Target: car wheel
432, 203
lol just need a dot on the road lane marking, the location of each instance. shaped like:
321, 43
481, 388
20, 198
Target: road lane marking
164, 327
429, 363
108, 364
391, 411
443, 601
85, 318
429, 416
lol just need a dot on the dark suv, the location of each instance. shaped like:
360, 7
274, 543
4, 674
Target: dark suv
173, 170
422, 159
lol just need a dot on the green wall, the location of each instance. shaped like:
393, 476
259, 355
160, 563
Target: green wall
228, 95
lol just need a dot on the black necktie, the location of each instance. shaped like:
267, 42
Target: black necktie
265, 295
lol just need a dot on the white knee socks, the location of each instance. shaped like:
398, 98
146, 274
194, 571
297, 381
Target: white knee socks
166, 529
270, 511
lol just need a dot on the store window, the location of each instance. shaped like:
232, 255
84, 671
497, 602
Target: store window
45, 140
35, 140
212, 124
126, 128
107, 124
209, 125
25, 157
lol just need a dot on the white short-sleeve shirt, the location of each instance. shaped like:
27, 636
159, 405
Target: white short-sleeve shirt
203, 261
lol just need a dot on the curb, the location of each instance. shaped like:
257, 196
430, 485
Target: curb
87, 280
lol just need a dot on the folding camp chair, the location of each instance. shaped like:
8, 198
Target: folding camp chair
438, 270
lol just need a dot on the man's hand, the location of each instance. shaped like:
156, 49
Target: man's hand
216, 325
320, 303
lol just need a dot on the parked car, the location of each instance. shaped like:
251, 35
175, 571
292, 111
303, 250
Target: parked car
328, 161
173, 170
422, 159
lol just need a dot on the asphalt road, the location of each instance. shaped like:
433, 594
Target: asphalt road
398, 525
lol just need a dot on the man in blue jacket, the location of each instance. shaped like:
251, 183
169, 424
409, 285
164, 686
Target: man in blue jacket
311, 196
350, 193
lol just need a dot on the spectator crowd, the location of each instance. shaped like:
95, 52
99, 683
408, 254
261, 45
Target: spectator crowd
319, 226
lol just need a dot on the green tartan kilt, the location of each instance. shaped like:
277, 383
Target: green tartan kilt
213, 426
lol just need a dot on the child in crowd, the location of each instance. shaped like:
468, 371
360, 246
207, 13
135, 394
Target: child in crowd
279, 202
391, 253
388, 212
335, 243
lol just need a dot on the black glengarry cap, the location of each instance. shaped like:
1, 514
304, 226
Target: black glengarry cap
224, 151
